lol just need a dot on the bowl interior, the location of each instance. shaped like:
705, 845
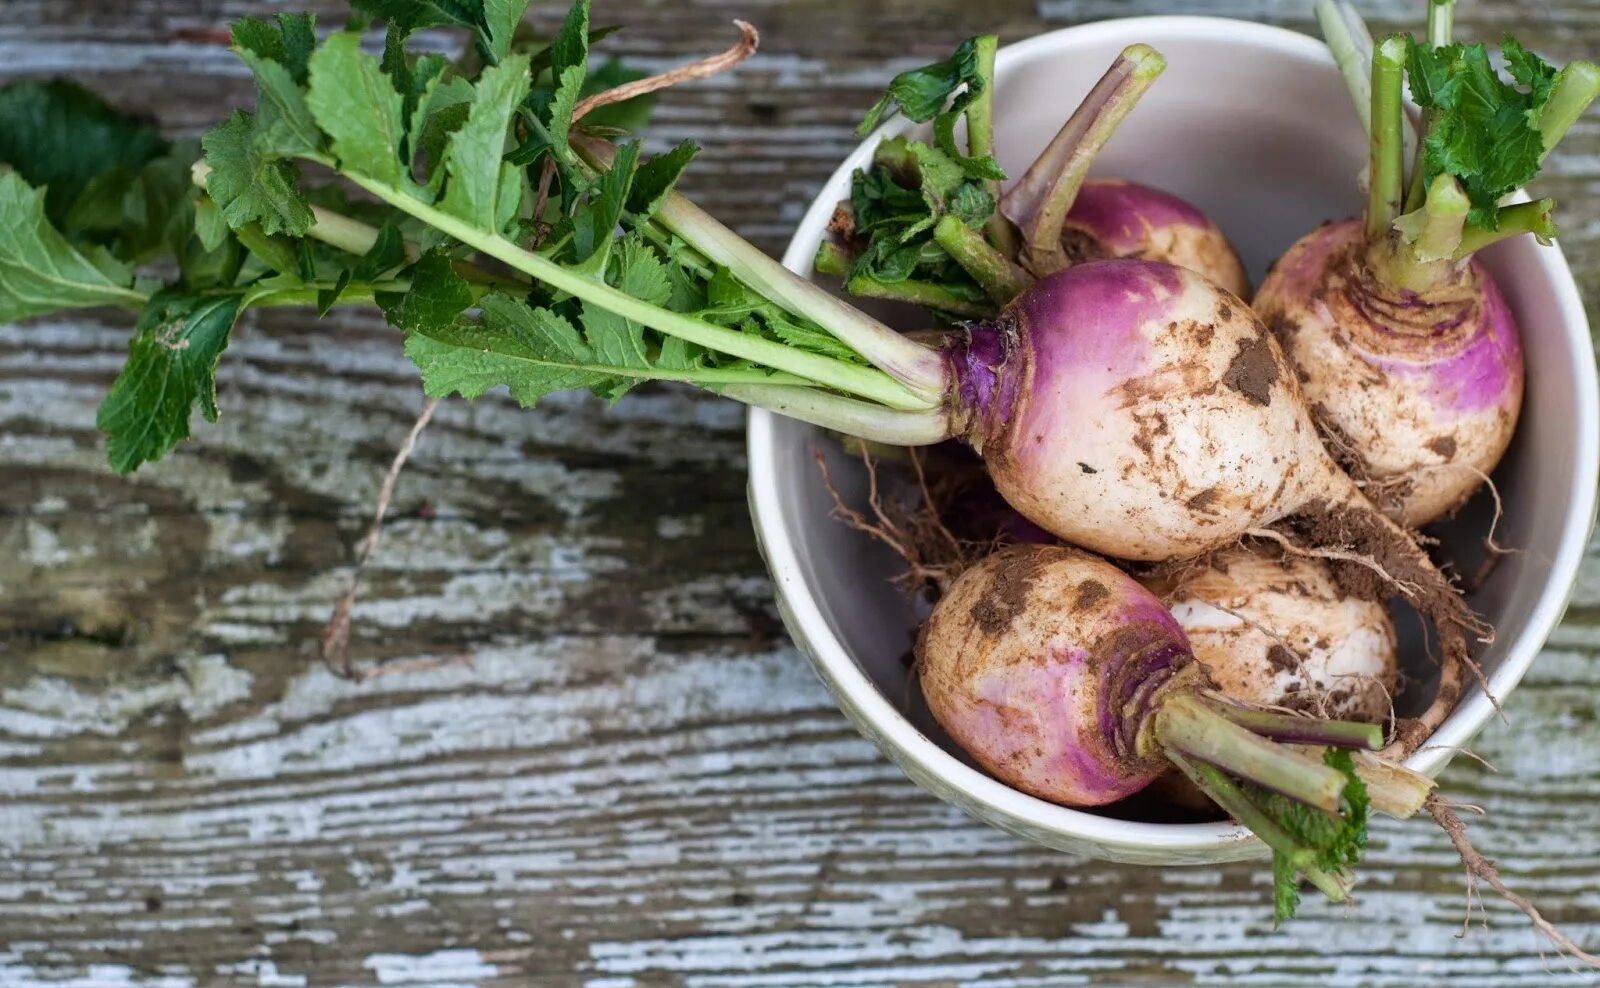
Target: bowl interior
1254, 126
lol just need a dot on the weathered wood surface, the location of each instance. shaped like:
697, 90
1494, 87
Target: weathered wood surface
638, 781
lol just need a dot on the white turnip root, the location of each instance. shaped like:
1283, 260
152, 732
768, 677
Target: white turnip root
1278, 630
1404, 347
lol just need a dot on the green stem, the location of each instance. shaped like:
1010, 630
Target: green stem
1303, 730
919, 372
923, 293
1444, 220
1576, 87
980, 143
1388, 152
999, 277
831, 259
1524, 217
863, 381
846, 415
1041, 199
1226, 793
1350, 43
1188, 724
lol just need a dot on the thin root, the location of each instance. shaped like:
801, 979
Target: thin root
1409, 589
746, 46
336, 637
1480, 868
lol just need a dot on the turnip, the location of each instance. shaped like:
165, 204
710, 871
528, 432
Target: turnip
1278, 630
1402, 342
927, 225
1063, 677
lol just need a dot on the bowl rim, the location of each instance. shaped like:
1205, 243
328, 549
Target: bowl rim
900, 738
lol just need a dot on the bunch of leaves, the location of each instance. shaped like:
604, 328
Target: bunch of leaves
894, 204
1484, 129
1335, 840
471, 189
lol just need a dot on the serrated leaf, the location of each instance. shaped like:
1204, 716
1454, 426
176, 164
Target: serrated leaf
569, 84
250, 186
474, 156
171, 368
533, 352
657, 177
283, 120
437, 297
58, 135
356, 105
40, 272
570, 50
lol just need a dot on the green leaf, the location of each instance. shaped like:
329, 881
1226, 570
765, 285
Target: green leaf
570, 50
388, 252
500, 20
172, 366
1285, 889
596, 223
355, 103
249, 185
473, 159
1529, 70
657, 177
209, 225
138, 213
277, 58
922, 93
437, 296
58, 135
289, 43
565, 100
40, 271
534, 352
414, 14
1484, 130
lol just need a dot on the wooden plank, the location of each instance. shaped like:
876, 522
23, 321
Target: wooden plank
637, 781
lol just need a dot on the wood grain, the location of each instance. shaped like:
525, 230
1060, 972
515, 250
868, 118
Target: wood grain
637, 781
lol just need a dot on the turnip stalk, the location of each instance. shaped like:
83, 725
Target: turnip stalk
980, 143
1039, 202
1068, 218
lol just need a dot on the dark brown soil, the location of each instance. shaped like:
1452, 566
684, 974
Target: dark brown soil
1008, 593
1445, 446
1253, 371
1090, 593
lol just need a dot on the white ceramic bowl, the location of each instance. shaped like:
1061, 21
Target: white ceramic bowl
1251, 123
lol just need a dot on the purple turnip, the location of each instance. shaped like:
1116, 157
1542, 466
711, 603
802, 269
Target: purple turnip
1404, 347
